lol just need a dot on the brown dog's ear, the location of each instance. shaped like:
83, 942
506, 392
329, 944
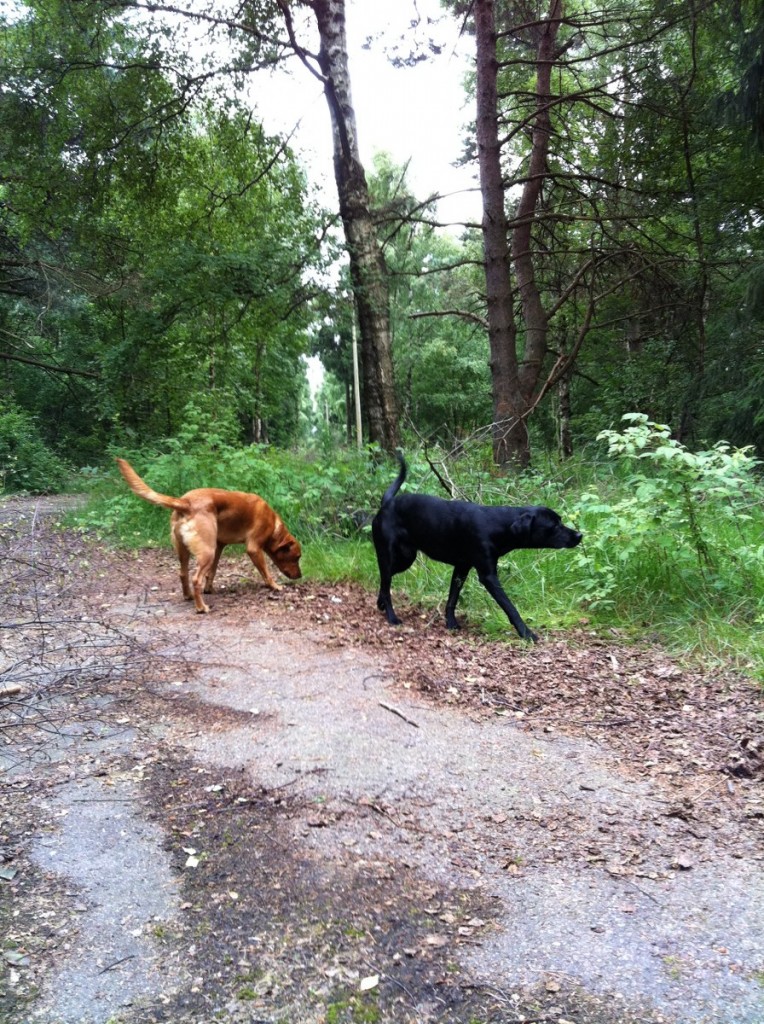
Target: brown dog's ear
288, 547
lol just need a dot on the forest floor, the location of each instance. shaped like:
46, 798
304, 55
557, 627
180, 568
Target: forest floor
286, 811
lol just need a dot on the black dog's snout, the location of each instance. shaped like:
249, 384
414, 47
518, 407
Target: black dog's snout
573, 538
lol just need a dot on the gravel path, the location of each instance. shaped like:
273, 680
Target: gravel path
228, 788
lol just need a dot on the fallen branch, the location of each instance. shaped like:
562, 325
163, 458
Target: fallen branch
116, 963
400, 714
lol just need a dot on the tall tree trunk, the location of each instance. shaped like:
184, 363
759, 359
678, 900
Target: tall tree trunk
691, 407
514, 380
509, 436
367, 265
534, 314
564, 416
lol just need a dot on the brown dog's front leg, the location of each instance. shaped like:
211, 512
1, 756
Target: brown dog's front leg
259, 562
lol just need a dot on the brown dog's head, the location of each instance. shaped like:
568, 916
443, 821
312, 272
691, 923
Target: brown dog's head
285, 552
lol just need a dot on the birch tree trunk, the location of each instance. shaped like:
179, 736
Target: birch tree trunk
367, 265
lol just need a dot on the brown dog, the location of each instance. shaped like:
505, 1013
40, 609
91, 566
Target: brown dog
205, 520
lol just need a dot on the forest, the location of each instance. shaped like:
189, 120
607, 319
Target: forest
167, 267
296, 808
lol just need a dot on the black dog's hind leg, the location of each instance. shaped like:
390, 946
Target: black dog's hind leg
460, 574
391, 559
490, 581
384, 599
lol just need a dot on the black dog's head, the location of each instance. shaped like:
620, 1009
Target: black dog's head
541, 527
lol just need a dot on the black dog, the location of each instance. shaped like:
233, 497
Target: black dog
461, 534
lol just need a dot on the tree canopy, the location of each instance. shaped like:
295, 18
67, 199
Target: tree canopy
159, 251
164, 266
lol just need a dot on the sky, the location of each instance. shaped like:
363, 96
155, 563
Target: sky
413, 113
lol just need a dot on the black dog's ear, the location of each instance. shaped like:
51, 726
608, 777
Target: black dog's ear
523, 524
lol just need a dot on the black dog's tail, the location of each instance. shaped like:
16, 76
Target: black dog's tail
396, 485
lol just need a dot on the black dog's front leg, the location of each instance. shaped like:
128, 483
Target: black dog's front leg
458, 578
490, 581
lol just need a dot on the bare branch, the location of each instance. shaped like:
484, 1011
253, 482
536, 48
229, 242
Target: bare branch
48, 366
465, 314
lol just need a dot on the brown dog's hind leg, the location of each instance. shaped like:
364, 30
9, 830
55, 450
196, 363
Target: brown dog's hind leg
197, 534
183, 557
208, 586
203, 567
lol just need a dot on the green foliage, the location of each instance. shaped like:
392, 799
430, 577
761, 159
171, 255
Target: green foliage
208, 421
155, 242
680, 530
161, 255
352, 1010
26, 462
326, 498
449, 386
673, 540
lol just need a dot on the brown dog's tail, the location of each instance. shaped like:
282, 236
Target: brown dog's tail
396, 485
143, 490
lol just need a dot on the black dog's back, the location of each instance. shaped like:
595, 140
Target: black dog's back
462, 534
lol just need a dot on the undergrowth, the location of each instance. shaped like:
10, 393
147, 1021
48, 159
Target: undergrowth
673, 540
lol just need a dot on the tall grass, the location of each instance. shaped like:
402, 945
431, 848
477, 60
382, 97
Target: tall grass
673, 540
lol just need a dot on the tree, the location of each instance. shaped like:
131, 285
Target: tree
603, 217
173, 287
252, 28
367, 266
514, 378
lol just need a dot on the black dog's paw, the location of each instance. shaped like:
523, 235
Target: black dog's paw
384, 606
452, 624
531, 636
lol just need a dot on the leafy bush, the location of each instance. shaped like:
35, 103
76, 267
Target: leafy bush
687, 530
26, 463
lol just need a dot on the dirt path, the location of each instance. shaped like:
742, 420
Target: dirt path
287, 812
